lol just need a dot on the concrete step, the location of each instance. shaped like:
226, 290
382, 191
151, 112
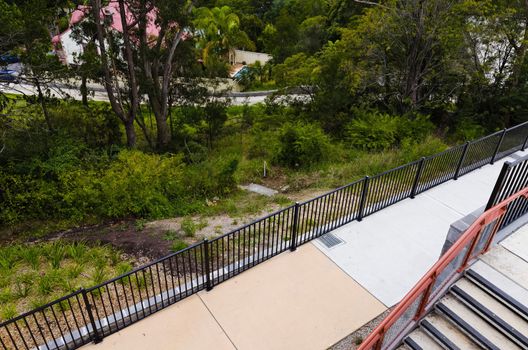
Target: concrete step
446, 334
420, 340
493, 311
508, 264
505, 290
469, 322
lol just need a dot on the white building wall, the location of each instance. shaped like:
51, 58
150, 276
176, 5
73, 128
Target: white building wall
249, 57
70, 47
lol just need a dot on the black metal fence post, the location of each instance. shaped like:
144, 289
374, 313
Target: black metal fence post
417, 178
293, 246
525, 143
498, 146
498, 185
96, 338
462, 157
364, 194
207, 261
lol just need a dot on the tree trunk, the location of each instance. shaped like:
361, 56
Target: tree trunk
520, 52
42, 102
84, 90
163, 133
109, 77
158, 86
130, 133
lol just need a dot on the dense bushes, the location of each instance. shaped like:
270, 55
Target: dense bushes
372, 130
137, 184
132, 184
75, 174
302, 145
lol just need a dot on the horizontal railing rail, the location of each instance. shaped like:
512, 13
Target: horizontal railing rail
476, 240
106, 308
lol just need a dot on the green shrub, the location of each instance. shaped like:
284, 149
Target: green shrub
170, 235
372, 131
74, 271
467, 130
139, 224
23, 197
8, 311
412, 150
77, 251
415, 127
375, 131
31, 256
141, 184
178, 245
98, 275
121, 269
55, 253
188, 226
45, 284
5, 295
211, 178
62, 23
8, 257
301, 145
37, 302
263, 143
23, 283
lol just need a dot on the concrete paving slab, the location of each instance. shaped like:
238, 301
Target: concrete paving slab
263, 190
470, 191
517, 243
298, 300
405, 237
389, 251
185, 325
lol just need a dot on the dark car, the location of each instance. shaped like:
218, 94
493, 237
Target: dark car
9, 76
7, 58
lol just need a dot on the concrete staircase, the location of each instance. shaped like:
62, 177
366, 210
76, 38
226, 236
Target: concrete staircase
483, 310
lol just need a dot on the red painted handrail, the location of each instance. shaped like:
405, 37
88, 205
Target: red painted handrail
424, 287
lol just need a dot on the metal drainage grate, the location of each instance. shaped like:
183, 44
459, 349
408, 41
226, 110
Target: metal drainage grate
330, 240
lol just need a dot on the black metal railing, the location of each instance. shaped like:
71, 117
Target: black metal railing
512, 178
94, 313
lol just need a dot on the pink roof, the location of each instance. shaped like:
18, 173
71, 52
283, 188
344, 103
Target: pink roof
111, 9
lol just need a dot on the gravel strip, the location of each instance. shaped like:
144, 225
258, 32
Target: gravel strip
353, 340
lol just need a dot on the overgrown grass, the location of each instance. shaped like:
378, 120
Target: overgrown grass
33, 275
242, 203
357, 164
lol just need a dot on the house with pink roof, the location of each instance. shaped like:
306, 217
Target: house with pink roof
68, 47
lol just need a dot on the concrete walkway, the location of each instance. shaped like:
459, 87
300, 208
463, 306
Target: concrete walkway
299, 300
389, 251
314, 297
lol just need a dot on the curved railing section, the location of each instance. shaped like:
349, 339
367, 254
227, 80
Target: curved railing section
475, 241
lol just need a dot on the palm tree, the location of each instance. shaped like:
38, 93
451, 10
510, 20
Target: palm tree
219, 32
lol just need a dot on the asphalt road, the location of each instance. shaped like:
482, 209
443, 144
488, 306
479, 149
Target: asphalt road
98, 93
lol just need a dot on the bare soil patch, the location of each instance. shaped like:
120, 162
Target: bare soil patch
144, 241
125, 236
